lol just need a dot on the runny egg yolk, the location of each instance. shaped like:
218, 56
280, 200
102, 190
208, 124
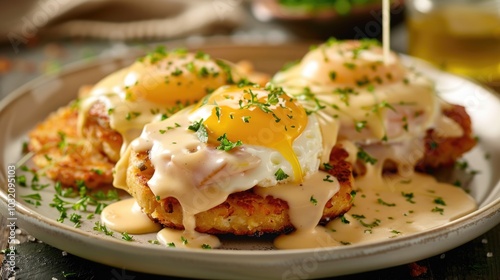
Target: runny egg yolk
175, 76
256, 116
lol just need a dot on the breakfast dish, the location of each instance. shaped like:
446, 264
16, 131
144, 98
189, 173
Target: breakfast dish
382, 107
212, 175
82, 141
203, 150
251, 258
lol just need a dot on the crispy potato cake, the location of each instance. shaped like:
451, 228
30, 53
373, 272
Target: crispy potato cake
64, 156
440, 151
243, 213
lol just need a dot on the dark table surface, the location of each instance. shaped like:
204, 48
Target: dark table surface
477, 259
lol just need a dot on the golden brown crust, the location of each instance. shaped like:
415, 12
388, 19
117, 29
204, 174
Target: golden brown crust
64, 156
441, 152
98, 131
243, 213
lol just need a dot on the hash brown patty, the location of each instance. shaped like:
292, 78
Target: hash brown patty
243, 213
64, 156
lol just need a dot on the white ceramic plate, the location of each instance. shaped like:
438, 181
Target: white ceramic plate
21, 110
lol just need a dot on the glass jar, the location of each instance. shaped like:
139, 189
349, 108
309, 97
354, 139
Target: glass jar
460, 36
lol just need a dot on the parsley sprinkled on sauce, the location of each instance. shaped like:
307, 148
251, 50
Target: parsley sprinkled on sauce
313, 200
327, 179
280, 175
190, 66
359, 125
177, 72
382, 202
332, 75
439, 201
155, 242
349, 65
200, 129
353, 195
344, 94
364, 156
206, 246
409, 197
361, 219
171, 244
438, 210
227, 145
184, 240
344, 220
132, 115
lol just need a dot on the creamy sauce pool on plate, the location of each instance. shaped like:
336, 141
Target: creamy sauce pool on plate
384, 208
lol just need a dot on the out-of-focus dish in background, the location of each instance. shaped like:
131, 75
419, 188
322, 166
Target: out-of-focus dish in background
320, 19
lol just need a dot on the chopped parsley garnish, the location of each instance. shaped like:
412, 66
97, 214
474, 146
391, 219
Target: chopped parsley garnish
280, 175
439, 201
200, 129
364, 156
382, 202
332, 75
62, 144
359, 125
202, 55
132, 115
76, 219
272, 100
127, 237
177, 72
327, 166
226, 145
155, 242
361, 218
102, 228
344, 220
184, 240
206, 246
313, 200
353, 195
438, 210
217, 112
408, 196
327, 179
344, 94
33, 199
97, 171
349, 65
